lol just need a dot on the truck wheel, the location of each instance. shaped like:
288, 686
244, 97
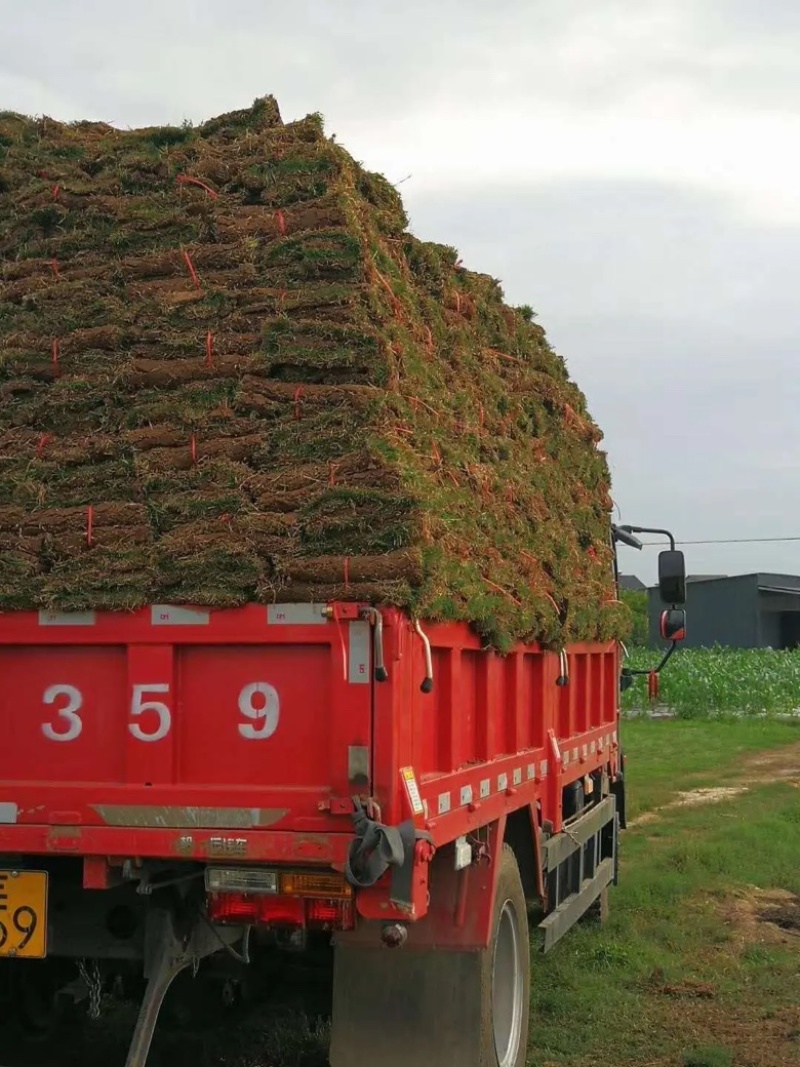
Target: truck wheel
510, 977
439, 1007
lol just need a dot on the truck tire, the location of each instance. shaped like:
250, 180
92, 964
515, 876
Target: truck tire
449, 1009
508, 966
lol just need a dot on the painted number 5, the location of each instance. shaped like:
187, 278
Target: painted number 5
141, 704
260, 702
70, 721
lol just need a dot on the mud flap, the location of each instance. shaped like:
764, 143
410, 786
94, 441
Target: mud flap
400, 1007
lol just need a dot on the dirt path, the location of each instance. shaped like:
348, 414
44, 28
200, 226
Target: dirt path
780, 764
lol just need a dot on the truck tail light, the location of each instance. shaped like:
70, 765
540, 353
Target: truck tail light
267, 910
330, 914
257, 880
315, 884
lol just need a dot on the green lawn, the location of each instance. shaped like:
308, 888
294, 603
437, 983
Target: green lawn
675, 978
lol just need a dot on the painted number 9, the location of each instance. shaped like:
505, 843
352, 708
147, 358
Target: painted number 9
259, 702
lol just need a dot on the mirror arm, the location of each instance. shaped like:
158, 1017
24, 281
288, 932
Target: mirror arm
650, 530
656, 670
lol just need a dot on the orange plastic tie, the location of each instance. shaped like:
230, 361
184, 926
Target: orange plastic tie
280, 218
42, 444
89, 525
504, 592
552, 601
186, 179
347, 572
54, 267
209, 349
56, 366
332, 474
298, 393
192, 271
194, 449
56, 192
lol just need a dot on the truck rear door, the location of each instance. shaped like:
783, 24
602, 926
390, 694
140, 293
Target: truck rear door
177, 718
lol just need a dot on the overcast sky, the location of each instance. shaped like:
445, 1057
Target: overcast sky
631, 168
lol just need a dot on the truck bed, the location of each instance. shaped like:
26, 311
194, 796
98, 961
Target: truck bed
183, 732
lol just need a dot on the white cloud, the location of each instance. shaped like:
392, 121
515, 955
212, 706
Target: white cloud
697, 93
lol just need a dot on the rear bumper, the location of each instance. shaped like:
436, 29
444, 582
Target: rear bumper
120, 843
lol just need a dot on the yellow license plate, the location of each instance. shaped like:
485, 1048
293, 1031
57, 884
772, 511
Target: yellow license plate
23, 914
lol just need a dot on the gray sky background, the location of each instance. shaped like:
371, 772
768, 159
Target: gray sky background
631, 169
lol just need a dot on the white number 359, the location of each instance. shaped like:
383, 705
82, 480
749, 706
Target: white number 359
151, 718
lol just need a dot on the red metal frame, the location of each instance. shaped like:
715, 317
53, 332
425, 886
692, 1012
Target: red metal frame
496, 734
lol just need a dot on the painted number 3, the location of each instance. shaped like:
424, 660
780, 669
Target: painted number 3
150, 715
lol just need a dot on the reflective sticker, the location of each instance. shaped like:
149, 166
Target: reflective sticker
593, 747
358, 669
531, 771
565, 760
296, 615
412, 790
466, 794
67, 618
502, 782
517, 776
8, 812
486, 788
545, 767
444, 803
168, 615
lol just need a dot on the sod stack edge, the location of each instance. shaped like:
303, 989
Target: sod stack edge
228, 374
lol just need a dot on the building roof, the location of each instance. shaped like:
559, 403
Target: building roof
631, 583
778, 583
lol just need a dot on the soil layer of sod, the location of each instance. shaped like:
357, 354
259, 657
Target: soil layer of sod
229, 374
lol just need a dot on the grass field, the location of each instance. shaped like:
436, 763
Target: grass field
702, 682
687, 972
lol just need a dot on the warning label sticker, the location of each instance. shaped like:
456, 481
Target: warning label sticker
412, 790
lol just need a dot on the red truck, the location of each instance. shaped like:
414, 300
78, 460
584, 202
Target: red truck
177, 783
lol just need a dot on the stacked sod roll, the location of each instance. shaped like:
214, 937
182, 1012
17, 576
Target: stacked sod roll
228, 374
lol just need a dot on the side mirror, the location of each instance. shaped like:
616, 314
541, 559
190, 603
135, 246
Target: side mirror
672, 577
673, 624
